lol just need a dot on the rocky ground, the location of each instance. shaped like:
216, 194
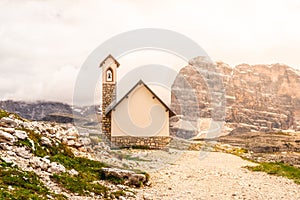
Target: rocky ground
266, 147
216, 176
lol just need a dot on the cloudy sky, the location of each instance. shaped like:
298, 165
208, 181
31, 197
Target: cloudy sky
43, 43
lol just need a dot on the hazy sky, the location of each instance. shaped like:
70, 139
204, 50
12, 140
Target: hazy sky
43, 43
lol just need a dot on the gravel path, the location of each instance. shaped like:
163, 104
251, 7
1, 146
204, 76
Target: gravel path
217, 176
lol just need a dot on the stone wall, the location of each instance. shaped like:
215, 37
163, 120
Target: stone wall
149, 142
108, 95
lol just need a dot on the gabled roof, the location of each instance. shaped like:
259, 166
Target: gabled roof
109, 56
140, 82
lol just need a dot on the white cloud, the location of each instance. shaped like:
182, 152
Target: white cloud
44, 43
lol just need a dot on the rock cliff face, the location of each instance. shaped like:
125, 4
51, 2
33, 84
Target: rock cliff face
260, 97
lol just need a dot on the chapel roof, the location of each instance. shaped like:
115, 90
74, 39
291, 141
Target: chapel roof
113, 105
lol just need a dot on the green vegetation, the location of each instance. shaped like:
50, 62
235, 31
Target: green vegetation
25, 143
39, 149
232, 150
90, 172
279, 169
238, 151
140, 147
18, 184
80, 184
77, 163
3, 113
112, 179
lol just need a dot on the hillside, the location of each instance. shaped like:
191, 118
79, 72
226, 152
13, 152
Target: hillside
40, 160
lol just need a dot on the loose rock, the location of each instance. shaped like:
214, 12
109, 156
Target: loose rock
21, 134
131, 178
56, 168
7, 138
46, 141
8, 122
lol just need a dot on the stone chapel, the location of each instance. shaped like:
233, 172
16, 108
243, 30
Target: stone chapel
137, 119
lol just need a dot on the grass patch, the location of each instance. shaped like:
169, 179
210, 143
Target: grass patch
18, 184
79, 184
83, 183
118, 180
112, 179
231, 150
78, 163
238, 151
278, 169
3, 113
38, 149
25, 143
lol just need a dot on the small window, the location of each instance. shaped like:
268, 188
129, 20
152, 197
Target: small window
109, 75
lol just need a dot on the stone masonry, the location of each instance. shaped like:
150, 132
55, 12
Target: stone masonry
108, 95
157, 142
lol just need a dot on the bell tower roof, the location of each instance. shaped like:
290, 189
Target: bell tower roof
108, 61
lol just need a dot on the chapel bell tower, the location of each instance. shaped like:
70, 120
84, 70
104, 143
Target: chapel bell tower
109, 79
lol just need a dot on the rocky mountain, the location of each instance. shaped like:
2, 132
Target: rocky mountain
52, 111
263, 98
39, 110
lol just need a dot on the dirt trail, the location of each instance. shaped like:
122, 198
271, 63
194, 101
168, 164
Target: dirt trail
217, 176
